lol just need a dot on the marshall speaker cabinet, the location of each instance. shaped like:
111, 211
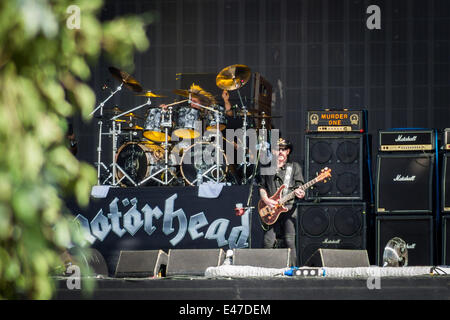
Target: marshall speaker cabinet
404, 183
330, 226
445, 184
445, 240
415, 230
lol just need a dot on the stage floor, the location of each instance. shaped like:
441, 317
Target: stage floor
433, 287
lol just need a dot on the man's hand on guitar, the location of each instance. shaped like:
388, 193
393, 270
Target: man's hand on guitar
300, 193
269, 202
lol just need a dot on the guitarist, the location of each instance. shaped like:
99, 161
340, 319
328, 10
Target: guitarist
289, 173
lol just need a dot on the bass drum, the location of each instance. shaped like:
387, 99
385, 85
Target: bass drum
198, 164
139, 160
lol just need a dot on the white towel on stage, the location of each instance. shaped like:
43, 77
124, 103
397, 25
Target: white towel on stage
100, 192
210, 190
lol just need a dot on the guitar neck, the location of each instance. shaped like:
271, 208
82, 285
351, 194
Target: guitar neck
305, 186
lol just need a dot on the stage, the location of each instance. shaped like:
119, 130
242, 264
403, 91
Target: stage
425, 287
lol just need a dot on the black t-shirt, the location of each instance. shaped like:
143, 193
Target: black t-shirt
271, 183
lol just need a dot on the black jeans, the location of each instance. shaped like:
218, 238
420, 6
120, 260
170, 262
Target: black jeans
284, 230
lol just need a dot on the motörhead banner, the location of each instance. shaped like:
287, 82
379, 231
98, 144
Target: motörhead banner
152, 218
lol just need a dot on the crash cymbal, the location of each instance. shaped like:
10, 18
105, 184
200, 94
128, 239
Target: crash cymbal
233, 77
127, 79
151, 95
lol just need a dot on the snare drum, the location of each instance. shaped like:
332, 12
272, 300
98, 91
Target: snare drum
185, 125
211, 119
152, 126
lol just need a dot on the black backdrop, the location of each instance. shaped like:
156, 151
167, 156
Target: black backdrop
316, 53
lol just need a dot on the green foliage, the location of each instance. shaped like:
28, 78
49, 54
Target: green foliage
43, 67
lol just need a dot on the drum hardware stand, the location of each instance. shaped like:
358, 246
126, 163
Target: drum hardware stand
99, 162
114, 132
114, 165
217, 116
166, 123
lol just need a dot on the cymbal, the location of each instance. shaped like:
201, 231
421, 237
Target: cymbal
233, 77
133, 128
266, 117
185, 93
115, 110
151, 95
127, 79
255, 114
131, 115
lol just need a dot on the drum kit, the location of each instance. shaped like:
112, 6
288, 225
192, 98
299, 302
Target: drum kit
151, 154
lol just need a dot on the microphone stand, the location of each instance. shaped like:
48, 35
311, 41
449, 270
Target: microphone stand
250, 194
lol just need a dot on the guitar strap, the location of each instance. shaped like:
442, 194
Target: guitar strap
287, 179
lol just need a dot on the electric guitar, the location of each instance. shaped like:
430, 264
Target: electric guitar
270, 215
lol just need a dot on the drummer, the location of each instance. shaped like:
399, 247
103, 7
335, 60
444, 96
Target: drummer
198, 96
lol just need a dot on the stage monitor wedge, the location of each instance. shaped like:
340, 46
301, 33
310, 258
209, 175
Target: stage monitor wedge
193, 262
337, 258
404, 183
141, 264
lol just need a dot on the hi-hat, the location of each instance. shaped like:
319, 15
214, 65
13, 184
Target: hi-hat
127, 79
131, 115
151, 95
233, 77
133, 128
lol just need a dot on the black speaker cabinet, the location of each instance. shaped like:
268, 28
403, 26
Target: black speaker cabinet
330, 226
141, 263
445, 220
415, 230
193, 262
267, 258
445, 184
404, 183
343, 154
338, 258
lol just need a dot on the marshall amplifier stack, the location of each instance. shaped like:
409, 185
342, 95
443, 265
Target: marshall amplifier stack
404, 193
445, 198
333, 214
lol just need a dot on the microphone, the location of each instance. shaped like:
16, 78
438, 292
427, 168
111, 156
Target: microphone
239, 210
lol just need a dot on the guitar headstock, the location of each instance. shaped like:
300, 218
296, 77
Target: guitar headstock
324, 174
